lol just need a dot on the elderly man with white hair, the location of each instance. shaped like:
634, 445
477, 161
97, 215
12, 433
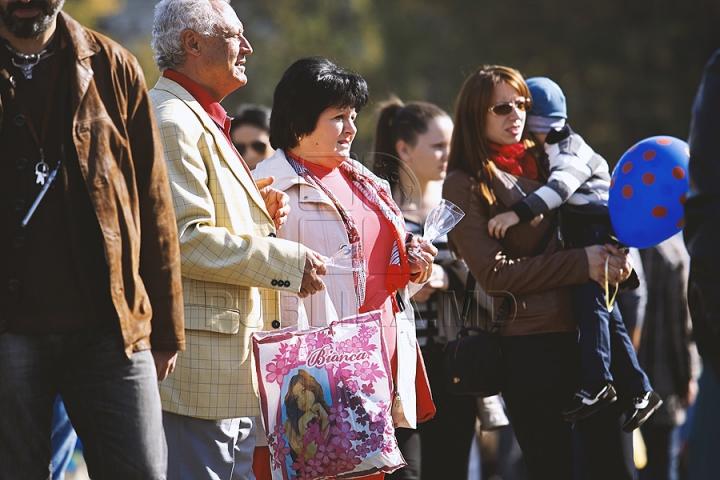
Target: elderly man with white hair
233, 265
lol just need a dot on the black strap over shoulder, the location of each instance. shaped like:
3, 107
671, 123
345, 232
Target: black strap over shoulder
469, 293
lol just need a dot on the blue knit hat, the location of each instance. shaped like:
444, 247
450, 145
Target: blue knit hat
548, 105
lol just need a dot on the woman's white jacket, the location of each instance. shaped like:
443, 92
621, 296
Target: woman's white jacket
315, 222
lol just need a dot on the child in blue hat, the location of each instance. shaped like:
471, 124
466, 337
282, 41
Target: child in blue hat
578, 184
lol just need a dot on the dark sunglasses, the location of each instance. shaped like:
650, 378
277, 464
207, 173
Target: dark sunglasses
257, 145
502, 109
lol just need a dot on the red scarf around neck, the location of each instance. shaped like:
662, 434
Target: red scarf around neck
514, 159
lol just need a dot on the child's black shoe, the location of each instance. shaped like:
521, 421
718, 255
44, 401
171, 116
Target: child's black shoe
588, 401
641, 409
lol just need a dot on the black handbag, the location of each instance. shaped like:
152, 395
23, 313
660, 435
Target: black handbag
472, 361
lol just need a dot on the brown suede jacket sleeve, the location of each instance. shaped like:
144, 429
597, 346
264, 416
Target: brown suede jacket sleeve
506, 268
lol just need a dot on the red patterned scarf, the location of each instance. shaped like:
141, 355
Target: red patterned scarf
514, 159
398, 273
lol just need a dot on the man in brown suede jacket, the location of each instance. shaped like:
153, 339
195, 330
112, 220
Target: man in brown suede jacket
89, 258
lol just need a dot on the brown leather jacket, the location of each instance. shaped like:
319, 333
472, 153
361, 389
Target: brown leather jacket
528, 267
121, 159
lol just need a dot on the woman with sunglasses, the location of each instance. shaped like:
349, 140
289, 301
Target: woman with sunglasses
250, 133
338, 204
492, 166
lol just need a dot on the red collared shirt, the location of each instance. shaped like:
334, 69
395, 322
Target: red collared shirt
212, 107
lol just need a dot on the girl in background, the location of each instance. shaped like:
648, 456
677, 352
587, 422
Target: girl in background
412, 143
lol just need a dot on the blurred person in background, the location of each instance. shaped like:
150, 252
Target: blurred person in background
702, 235
412, 143
250, 133
668, 355
702, 214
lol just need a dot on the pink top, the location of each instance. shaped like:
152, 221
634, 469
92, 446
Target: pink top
377, 240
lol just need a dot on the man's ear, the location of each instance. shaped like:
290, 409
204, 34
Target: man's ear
191, 42
403, 149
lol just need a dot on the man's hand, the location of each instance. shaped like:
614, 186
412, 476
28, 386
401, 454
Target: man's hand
314, 266
498, 225
276, 202
164, 362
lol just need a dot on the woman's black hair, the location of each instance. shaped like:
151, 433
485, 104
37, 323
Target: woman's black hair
307, 88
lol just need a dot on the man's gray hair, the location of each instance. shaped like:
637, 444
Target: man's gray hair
172, 18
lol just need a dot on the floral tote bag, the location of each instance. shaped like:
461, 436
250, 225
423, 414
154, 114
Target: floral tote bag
325, 395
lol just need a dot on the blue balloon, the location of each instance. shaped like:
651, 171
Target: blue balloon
648, 190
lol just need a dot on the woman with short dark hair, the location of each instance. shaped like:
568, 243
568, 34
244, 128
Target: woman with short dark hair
338, 203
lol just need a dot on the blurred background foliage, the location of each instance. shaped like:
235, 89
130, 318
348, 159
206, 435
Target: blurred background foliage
630, 69
87, 12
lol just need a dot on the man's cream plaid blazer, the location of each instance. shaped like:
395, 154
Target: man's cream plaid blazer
232, 265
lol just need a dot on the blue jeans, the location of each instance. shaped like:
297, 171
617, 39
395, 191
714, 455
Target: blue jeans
63, 440
113, 403
605, 341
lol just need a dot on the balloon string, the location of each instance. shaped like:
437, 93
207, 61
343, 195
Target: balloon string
609, 301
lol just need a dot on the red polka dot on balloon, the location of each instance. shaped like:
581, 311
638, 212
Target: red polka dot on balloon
659, 211
633, 148
678, 173
680, 223
682, 198
627, 191
664, 141
612, 182
648, 178
627, 167
649, 155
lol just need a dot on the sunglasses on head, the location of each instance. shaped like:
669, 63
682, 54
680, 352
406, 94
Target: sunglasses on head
257, 145
502, 109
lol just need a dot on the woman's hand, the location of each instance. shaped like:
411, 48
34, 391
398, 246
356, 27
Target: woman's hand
320, 414
619, 266
421, 255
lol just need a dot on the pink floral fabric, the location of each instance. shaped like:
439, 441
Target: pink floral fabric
325, 395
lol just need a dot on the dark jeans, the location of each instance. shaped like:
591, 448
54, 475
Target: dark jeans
112, 401
604, 340
440, 447
663, 452
541, 373
603, 337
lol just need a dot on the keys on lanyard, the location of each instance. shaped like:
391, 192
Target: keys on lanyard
46, 185
42, 170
